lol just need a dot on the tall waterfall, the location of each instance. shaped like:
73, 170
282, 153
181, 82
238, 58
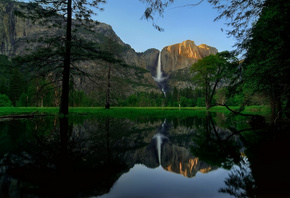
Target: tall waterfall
159, 140
159, 77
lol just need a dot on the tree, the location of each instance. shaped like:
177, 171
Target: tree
5, 65
267, 63
240, 14
5, 101
112, 47
176, 96
60, 57
16, 86
213, 70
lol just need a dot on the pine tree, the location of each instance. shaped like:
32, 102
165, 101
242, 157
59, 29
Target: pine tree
58, 53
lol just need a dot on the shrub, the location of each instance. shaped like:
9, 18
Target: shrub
5, 101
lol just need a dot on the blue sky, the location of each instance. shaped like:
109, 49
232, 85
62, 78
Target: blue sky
180, 24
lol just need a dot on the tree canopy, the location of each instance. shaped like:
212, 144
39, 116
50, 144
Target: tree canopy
213, 70
267, 63
59, 51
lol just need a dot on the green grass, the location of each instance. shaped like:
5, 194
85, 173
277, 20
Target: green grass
28, 110
259, 110
130, 112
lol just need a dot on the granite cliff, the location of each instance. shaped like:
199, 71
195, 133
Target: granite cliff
183, 55
176, 60
19, 35
16, 34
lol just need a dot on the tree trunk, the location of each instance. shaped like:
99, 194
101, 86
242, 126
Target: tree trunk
276, 106
213, 91
41, 101
107, 106
108, 139
207, 104
56, 99
207, 96
66, 67
63, 162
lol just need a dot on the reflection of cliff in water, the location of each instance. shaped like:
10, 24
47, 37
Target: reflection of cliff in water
63, 161
87, 158
172, 157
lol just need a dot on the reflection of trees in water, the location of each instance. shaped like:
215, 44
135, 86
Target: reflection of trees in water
268, 153
262, 173
66, 162
83, 157
215, 145
240, 183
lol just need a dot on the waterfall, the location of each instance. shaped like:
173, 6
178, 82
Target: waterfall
159, 140
159, 72
159, 143
158, 77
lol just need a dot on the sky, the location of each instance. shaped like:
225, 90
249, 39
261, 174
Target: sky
179, 23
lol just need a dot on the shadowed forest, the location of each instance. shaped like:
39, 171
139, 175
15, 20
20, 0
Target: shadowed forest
50, 74
213, 124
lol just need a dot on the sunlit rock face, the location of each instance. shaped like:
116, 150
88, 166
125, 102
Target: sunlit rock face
179, 160
18, 35
173, 158
183, 55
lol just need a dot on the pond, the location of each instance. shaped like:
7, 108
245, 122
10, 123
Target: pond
206, 155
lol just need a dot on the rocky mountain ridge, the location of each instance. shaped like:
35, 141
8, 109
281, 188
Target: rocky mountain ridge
17, 32
182, 55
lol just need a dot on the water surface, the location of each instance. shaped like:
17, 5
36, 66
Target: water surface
207, 155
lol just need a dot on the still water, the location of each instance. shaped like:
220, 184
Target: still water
207, 155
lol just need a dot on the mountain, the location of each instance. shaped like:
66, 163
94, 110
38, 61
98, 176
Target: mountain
18, 35
178, 58
183, 55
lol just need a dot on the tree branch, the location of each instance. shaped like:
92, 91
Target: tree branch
189, 5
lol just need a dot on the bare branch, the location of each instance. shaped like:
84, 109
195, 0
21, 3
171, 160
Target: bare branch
189, 5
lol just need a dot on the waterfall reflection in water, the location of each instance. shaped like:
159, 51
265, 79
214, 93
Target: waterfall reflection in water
88, 157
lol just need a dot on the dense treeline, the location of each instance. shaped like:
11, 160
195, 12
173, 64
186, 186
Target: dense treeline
19, 90
261, 78
187, 98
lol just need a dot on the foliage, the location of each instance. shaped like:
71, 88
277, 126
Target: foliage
5, 101
57, 54
213, 70
16, 86
267, 63
241, 15
213, 137
5, 68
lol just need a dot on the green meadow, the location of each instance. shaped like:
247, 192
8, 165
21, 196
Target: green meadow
131, 112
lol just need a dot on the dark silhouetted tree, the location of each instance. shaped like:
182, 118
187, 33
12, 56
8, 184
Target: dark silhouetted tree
59, 52
267, 63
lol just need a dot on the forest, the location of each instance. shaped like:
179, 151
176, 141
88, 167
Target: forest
79, 119
259, 77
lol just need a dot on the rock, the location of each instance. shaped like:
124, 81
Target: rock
18, 35
183, 55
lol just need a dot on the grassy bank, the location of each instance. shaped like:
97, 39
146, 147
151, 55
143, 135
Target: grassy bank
129, 111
